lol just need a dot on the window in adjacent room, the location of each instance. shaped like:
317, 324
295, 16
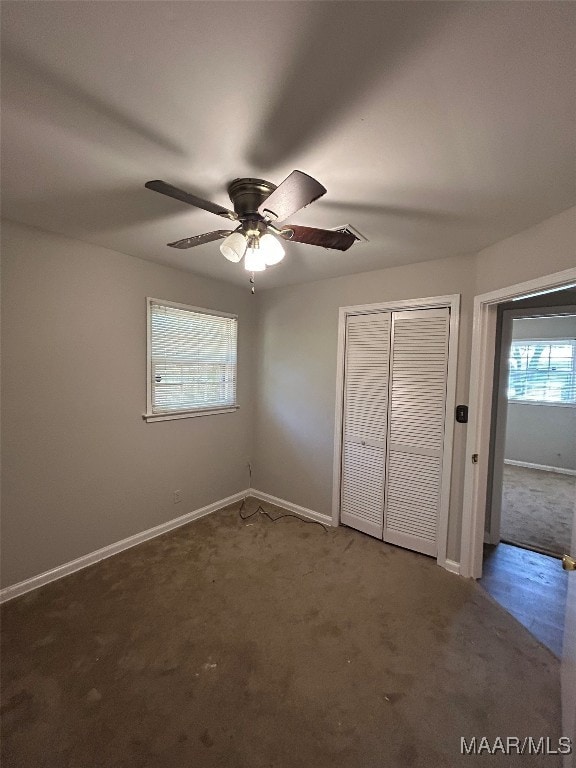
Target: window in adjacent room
543, 371
191, 361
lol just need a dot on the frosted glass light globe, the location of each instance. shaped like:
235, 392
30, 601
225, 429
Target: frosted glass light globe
234, 247
272, 249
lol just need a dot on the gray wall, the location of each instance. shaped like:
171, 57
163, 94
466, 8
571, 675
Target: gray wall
543, 249
541, 434
81, 469
298, 333
535, 433
297, 342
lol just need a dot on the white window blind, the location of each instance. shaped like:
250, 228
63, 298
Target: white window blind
543, 371
192, 359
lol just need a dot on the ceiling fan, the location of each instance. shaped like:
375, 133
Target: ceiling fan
259, 206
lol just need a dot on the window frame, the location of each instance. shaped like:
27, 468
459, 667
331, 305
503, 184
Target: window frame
149, 416
553, 403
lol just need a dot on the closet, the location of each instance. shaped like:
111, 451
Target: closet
393, 425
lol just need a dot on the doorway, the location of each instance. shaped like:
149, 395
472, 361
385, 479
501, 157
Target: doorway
481, 403
532, 472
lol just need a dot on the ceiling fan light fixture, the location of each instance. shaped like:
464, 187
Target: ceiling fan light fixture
272, 249
234, 247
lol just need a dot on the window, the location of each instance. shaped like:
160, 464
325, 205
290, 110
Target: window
191, 361
543, 371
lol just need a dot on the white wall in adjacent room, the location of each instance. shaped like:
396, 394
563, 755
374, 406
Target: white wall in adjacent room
539, 433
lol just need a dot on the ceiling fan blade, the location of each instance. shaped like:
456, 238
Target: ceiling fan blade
187, 197
190, 242
295, 192
327, 238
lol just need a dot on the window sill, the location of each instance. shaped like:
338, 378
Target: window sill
188, 414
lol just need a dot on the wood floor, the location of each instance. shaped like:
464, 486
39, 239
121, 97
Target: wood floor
531, 586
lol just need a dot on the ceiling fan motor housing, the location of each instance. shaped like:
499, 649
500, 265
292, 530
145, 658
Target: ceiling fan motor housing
247, 195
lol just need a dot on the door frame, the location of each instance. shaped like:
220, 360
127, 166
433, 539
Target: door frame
500, 415
481, 411
495, 477
452, 302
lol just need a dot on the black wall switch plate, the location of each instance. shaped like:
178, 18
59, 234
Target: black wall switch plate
462, 414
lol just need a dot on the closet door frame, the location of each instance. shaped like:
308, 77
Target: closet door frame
452, 302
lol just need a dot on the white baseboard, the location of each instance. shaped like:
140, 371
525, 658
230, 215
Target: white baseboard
301, 511
8, 593
452, 566
543, 467
112, 549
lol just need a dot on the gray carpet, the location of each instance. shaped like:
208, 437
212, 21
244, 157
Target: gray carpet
257, 644
537, 509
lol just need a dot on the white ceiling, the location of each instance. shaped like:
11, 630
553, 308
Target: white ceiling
437, 128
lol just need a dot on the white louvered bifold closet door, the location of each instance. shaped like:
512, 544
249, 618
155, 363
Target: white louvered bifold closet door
418, 372
365, 421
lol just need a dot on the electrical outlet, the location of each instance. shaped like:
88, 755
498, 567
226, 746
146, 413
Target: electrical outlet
177, 497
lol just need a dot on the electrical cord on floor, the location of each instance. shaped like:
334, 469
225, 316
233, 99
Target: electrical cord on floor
261, 509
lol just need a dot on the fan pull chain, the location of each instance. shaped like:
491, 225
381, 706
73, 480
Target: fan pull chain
253, 289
